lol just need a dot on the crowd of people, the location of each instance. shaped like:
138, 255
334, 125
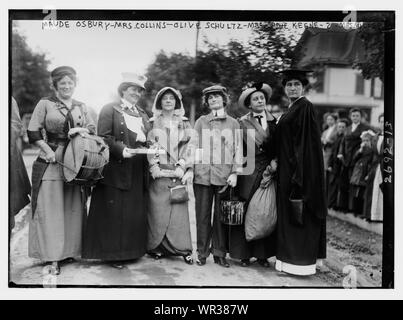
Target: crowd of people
352, 152
141, 204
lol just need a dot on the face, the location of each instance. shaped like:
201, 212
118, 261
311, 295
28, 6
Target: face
381, 123
366, 140
168, 101
132, 94
356, 117
215, 101
275, 111
65, 87
294, 89
257, 102
341, 127
330, 121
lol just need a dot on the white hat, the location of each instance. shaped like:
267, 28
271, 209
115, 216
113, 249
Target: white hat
131, 77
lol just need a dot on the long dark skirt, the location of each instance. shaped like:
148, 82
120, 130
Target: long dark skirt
117, 224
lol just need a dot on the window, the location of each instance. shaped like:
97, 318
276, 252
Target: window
359, 84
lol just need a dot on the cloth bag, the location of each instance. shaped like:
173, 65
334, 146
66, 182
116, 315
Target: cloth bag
261, 216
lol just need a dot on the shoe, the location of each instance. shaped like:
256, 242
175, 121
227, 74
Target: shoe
221, 261
55, 268
117, 265
263, 263
188, 259
69, 260
201, 261
156, 255
245, 262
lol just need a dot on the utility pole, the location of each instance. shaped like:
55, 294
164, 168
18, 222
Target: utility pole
192, 114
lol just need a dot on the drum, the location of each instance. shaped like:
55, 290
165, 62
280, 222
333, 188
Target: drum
232, 211
84, 159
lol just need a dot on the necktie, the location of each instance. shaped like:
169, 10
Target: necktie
259, 119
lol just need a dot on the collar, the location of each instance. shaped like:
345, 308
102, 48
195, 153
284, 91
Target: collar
127, 105
262, 114
218, 113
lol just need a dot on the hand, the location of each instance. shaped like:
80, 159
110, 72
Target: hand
188, 177
366, 178
179, 172
273, 165
329, 169
126, 154
50, 156
232, 180
77, 130
340, 157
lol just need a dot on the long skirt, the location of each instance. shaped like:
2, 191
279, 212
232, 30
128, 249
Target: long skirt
168, 223
116, 227
377, 198
56, 226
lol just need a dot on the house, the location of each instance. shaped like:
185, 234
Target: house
336, 85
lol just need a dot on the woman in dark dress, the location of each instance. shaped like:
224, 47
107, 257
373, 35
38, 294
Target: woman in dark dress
301, 240
262, 123
116, 230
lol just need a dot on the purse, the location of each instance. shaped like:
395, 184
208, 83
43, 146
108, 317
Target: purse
297, 210
179, 194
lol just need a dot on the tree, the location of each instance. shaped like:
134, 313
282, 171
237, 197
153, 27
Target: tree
29, 73
372, 35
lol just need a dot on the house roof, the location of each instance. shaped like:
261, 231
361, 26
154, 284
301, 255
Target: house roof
335, 45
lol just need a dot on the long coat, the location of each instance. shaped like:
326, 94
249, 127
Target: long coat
300, 169
117, 222
168, 223
263, 153
351, 143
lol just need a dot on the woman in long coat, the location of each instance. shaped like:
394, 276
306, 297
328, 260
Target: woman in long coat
116, 230
301, 241
262, 123
168, 223
20, 186
57, 208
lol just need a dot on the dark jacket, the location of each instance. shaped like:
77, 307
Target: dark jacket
364, 161
112, 127
351, 143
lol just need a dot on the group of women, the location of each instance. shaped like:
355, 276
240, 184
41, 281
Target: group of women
140, 206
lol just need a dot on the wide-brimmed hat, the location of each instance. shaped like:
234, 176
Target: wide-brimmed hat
295, 74
179, 109
262, 87
134, 79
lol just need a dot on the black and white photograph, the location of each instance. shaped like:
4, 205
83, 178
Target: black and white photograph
201, 149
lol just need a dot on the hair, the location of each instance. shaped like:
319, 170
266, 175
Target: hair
381, 116
158, 102
247, 100
124, 86
355, 110
224, 96
333, 115
344, 120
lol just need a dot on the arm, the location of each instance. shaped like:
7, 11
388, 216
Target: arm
105, 130
35, 126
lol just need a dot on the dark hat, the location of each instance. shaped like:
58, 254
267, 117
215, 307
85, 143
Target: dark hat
297, 74
263, 87
62, 71
215, 88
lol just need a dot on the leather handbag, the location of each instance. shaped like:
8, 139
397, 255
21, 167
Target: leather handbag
297, 209
179, 194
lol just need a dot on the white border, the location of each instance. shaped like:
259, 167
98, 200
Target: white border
183, 294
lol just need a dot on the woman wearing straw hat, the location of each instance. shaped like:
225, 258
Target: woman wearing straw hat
116, 230
262, 123
302, 208
168, 222
57, 208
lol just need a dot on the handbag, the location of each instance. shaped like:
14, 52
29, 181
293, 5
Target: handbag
179, 194
297, 209
232, 211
